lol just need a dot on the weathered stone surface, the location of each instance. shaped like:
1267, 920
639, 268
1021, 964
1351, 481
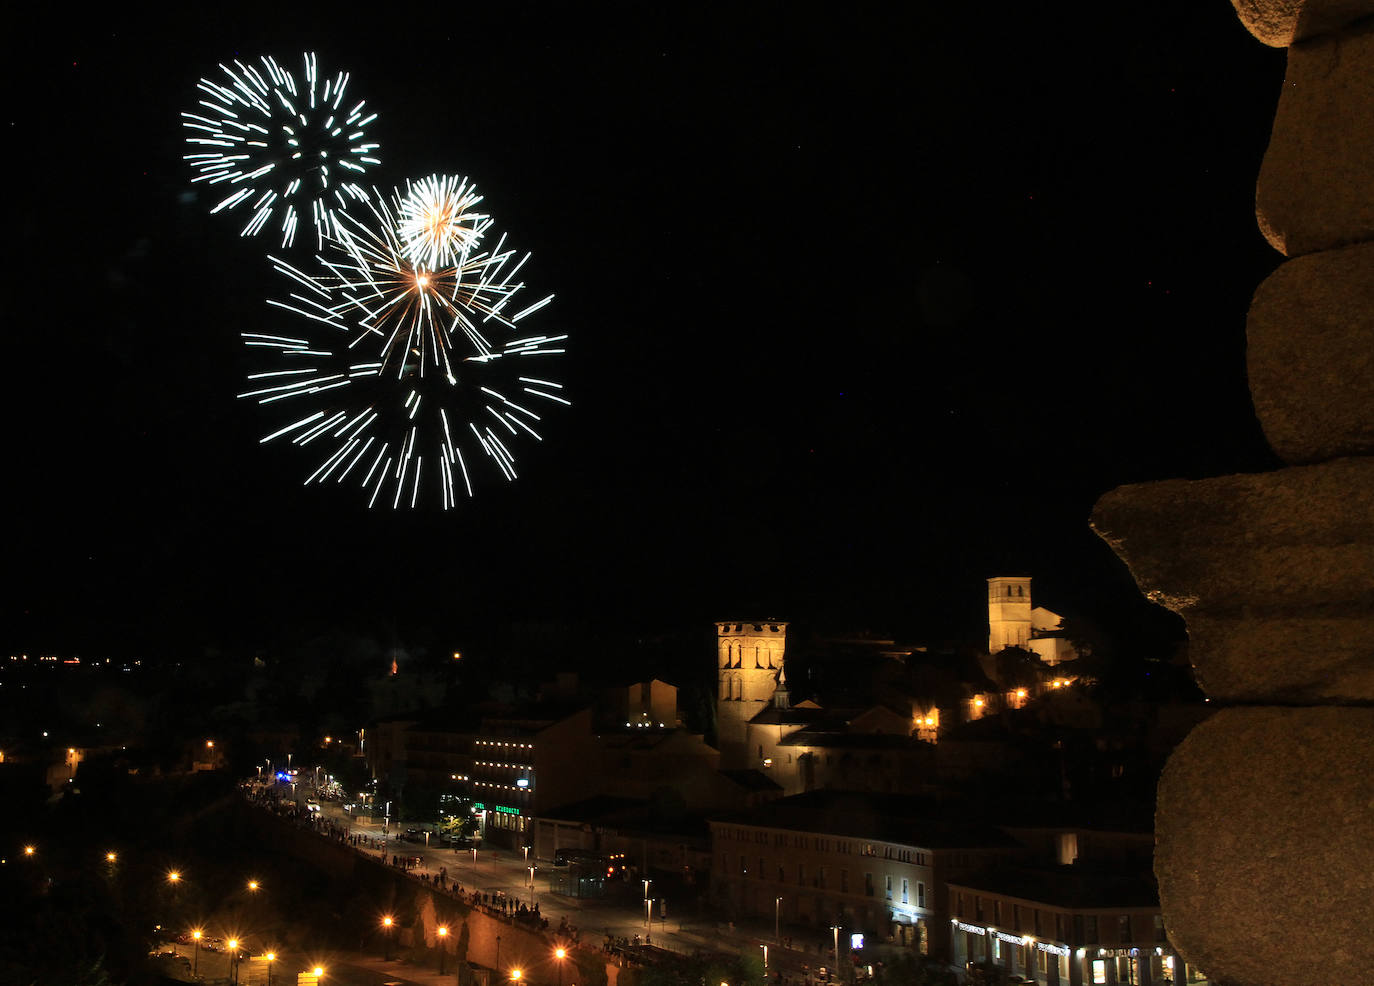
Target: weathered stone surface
1262, 839
1311, 355
1280, 23
1316, 185
1274, 573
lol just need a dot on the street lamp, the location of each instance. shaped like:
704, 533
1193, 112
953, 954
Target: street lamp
253, 886
442, 932
271, 957
386, 925
765, 960
319, 972
531, 869
173, 876
777, 913
30, 850
836, 929
515, 975
233, 944
195, 961
110, 857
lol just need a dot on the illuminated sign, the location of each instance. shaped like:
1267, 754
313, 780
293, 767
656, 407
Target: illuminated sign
856, 940
970, 928
503, 809
1013, 939
1052, 949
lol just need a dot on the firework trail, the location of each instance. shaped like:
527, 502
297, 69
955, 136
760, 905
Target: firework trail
281, 147
412, 373
437, 221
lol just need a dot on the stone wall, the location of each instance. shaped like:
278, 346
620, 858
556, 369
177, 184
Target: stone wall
1265, 813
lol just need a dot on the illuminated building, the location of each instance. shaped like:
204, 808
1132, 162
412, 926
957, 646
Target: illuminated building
1013, 622
876, 863
1067, 926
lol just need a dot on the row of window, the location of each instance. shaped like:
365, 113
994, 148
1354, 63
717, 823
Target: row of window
892, 886
842, 847
1085, 928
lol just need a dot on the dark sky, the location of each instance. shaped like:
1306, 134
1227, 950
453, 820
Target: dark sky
864, 310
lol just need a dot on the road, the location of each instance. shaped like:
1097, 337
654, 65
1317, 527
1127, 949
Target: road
497, 871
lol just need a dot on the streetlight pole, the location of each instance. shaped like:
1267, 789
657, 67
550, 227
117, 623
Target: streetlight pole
777, 916
765, 960
836, 929
443, 936
234, 958
271, 957
531, 887
195, 962
386, 932
560, 954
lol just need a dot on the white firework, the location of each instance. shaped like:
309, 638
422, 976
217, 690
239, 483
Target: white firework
438, 222
280, 147
415, 374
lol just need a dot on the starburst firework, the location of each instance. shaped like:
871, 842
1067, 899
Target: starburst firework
438, 221
414, 371
282, 147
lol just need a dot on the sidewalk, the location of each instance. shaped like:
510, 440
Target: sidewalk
396, 969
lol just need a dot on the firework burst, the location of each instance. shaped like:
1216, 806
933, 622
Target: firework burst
438, 222
281, 147
415, 373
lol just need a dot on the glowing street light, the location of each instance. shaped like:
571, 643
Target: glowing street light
515, 975
777, 914
195, 963
253, 886
560, 954
233, 944
387, 924
271, 957
173, 876
110, 857
319, 972
442, 932
30, 850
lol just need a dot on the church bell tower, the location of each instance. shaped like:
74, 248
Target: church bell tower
749, 660
1009, 613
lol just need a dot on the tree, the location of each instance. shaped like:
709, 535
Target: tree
1020, 668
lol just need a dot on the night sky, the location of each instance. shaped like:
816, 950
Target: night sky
863, 310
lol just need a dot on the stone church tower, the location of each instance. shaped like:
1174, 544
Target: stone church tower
1009, 613
749, 659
